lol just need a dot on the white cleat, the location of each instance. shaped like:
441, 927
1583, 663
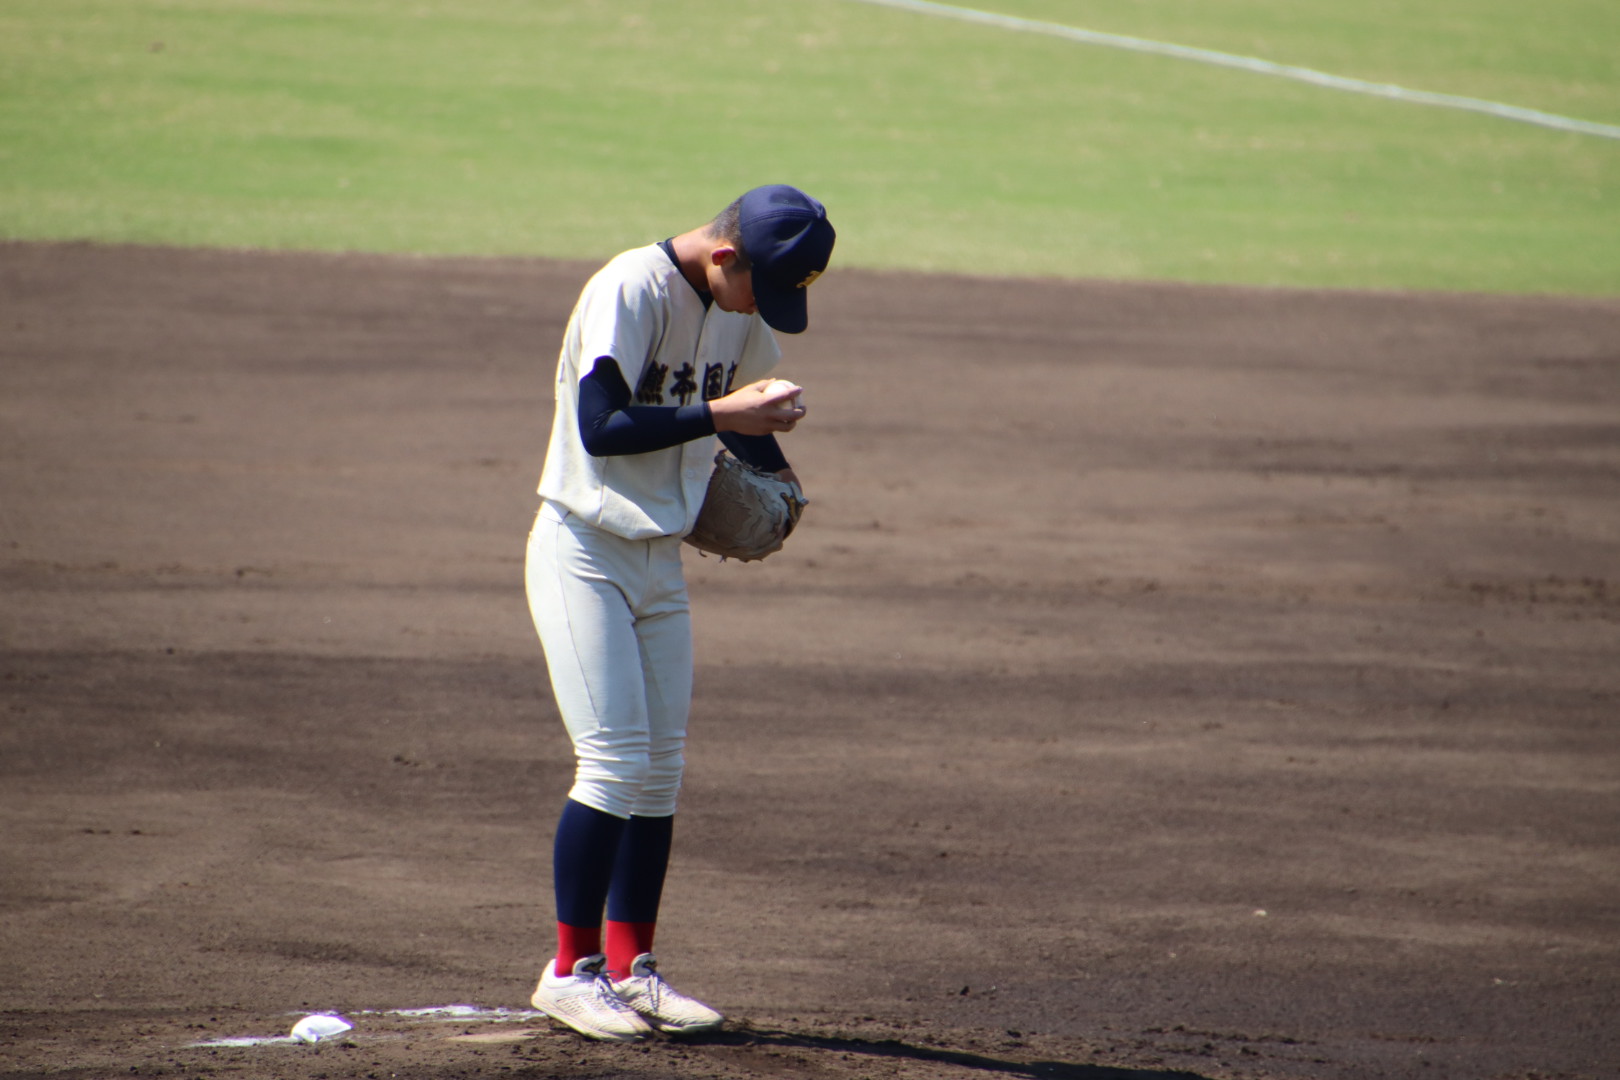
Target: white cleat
586, 1002
663, 1006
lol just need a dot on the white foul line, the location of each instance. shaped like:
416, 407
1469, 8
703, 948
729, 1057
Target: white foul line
1262, 67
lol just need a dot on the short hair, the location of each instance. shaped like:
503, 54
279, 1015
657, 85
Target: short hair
727, 226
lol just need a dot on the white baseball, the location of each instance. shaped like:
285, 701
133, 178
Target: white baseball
791, 402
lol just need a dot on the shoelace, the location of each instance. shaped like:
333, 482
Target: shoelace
604, 987
655, 984
610, 997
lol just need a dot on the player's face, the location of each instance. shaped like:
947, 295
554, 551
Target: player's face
732, 289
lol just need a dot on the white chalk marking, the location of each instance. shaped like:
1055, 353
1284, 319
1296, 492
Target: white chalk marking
1257, 66
462, 1014
248, 1040
465, 1012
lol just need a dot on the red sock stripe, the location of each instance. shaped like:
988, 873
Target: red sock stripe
575, 943
625, 942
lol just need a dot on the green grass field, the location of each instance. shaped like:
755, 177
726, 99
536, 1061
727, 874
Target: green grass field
574, 130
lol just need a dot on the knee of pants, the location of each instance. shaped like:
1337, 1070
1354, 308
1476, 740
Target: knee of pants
663, 783
611, 783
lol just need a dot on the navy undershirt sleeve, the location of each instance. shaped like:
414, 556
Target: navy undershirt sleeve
760, 451
609, 425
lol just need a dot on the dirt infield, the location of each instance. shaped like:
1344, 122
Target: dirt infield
1166, 682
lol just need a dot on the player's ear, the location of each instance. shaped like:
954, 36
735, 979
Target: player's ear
723, 254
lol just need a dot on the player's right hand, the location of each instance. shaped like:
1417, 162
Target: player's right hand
758, 409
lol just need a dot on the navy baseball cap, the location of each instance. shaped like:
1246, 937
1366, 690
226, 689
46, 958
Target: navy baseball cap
788, 240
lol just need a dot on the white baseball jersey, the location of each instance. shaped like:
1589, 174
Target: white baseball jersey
672, 351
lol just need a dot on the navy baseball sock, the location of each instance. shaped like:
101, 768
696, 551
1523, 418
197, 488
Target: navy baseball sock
638, 886
582, 868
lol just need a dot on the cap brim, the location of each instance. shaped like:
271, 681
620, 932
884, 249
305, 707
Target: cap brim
785, 310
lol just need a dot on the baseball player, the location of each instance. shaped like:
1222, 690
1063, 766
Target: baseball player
667, 348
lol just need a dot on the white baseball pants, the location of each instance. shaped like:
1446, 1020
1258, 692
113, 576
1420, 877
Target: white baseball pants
615, 622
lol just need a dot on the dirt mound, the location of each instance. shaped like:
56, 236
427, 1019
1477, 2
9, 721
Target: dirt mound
1164, 682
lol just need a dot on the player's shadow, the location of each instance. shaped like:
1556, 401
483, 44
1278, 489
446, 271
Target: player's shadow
895, 1048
